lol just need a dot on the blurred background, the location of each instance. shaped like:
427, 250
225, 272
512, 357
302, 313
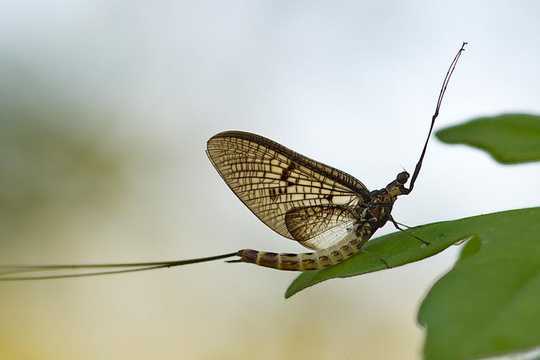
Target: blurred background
105, 109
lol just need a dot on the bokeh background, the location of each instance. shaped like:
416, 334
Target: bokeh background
105, 108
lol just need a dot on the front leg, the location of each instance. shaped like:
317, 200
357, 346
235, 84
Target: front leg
398, 226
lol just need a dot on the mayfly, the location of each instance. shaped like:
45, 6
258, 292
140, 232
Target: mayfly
323, 208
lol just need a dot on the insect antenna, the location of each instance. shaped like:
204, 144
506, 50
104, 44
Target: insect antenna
436, 113
7, 271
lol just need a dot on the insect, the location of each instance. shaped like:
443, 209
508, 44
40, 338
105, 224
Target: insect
322, 208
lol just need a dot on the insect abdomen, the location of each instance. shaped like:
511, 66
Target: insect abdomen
303, 261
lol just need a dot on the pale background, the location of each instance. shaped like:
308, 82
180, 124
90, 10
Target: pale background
352, 84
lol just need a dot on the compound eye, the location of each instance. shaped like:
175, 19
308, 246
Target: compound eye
402, 177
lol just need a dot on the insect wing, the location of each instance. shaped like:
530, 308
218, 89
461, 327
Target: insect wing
295, 196
308, 223
331, 236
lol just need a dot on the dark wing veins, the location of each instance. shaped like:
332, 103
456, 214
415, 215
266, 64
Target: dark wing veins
294, 195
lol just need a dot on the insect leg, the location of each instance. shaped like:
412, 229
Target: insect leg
398, 225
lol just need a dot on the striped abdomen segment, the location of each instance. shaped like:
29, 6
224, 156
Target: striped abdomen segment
305, 261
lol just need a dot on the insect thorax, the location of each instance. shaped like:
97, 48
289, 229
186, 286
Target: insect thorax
378, 210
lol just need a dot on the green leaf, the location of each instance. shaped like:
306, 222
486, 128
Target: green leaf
395, 249
509, 138
489, 303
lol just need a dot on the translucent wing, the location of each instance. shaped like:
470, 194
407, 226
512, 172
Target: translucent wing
330, 236
319, 226
295, 196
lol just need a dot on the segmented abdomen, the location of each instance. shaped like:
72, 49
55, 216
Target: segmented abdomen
307, 261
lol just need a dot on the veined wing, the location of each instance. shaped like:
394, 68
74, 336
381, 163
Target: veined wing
319, 226
330, 236
277, 184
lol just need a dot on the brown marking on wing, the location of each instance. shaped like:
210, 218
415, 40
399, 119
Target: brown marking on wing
271, 179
